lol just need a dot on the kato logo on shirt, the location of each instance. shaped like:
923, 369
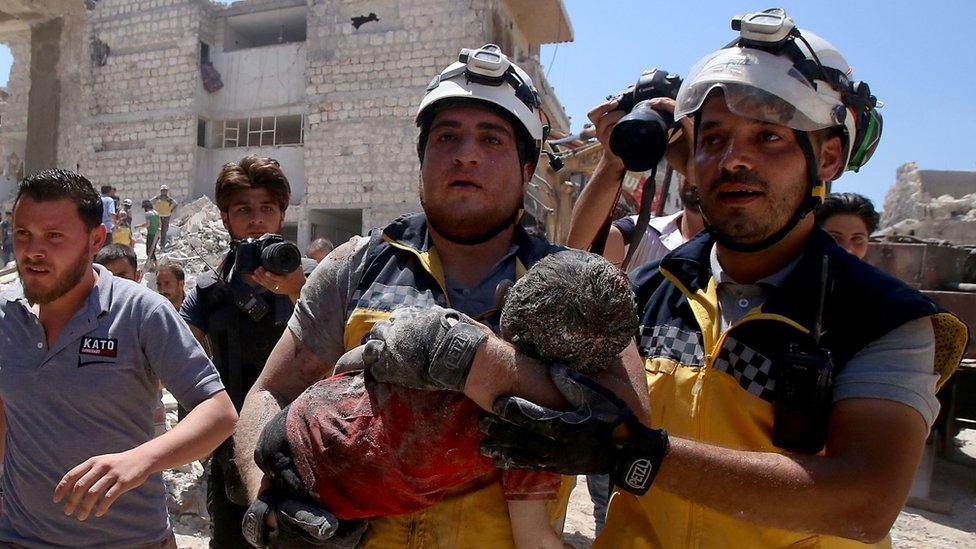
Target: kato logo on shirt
99, 346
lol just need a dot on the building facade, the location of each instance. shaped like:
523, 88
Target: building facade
166, 91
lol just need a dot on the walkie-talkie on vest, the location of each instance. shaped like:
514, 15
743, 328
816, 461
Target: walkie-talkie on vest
803, 389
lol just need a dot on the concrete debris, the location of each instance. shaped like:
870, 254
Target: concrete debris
197, 239
916, 205
186, 486
186, 499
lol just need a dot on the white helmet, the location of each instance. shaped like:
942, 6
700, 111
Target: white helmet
486, 74
798, 80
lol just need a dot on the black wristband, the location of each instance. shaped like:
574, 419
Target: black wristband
452, 360
639, 458
253, 527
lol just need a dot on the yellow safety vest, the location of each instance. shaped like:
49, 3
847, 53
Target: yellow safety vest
703, 387
404, 270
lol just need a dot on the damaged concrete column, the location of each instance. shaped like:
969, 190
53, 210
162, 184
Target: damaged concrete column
44, 98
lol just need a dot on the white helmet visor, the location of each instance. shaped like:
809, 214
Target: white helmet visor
761, 86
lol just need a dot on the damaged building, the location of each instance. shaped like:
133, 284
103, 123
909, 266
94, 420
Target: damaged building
931, 204
138, 93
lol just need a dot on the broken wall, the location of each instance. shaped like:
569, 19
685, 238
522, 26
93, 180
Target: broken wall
142, 126
364, 87
909, 209
13, 127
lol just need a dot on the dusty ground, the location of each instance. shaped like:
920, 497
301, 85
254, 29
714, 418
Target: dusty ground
954, 494
954, 490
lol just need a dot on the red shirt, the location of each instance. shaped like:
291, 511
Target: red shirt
371, 449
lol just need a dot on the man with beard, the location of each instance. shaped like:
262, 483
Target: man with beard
792, 386
663, 234
480, 138
82, 354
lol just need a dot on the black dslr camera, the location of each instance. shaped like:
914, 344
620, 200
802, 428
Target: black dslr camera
270, 251
640, 138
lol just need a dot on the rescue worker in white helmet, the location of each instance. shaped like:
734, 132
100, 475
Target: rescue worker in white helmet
792, 386
480, 139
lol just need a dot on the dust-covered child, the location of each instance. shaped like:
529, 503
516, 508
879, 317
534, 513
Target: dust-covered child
362, 448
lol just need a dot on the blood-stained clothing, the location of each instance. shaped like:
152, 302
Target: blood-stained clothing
365, 280
713, 375
368, 449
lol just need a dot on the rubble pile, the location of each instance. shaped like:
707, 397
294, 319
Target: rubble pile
186, 486
910, 209
186, 499
197, 238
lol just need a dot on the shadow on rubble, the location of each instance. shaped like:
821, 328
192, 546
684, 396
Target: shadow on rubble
577, 540
952, 498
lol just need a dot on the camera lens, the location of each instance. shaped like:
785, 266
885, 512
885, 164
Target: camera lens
281, 258
640, 139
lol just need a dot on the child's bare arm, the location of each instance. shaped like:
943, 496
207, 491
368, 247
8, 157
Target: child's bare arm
530, 525
498, 370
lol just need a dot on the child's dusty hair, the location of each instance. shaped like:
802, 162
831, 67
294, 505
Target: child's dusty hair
572, 307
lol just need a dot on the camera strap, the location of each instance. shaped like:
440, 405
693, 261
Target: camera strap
644, 215
599, 244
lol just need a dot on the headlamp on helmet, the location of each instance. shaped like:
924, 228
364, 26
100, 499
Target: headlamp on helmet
781, 74
487, 75
767, 28
486, 61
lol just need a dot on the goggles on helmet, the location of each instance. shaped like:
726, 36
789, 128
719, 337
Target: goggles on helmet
777, 73
763, 86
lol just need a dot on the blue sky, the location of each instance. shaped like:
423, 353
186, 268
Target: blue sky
919, 61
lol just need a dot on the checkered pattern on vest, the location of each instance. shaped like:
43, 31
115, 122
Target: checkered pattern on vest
682, 346
749, 367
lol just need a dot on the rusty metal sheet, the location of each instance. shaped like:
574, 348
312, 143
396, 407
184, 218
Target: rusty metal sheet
925, 266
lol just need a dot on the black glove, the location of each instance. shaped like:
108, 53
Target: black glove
300, 524
429, 348
525, 435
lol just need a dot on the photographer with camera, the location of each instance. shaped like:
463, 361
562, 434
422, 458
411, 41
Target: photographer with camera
637, 129
239, 313
792, 386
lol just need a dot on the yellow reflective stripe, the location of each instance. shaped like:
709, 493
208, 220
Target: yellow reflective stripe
519, 268
358, 324
770, 316
704, 305
657, 365
749, 317
429, 260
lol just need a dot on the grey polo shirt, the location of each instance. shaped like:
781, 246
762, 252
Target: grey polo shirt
897, 366
92, 392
